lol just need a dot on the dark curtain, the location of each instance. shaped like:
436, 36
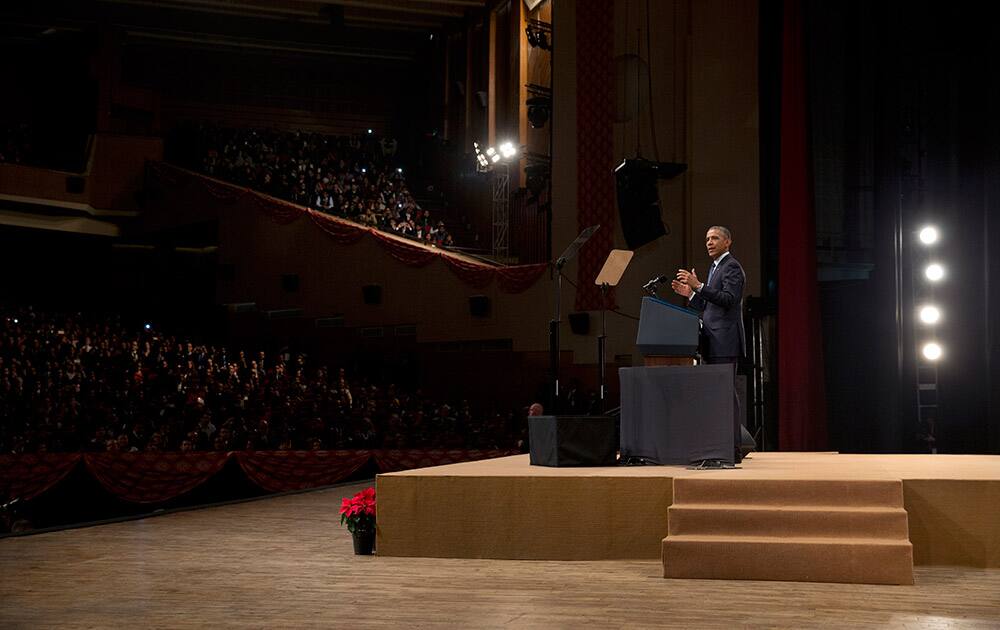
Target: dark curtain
801, 399
901, 111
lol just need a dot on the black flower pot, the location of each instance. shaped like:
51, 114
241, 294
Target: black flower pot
364, 542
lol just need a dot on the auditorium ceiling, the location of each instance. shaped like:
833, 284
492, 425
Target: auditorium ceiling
384, 29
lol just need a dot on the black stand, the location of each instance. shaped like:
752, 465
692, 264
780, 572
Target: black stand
610, 275
554, 324
602, 342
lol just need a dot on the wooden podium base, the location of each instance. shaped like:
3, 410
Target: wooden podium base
659, 360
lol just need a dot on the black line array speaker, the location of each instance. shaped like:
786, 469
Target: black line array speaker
479, 306
579, 323
639, 203
372, 293
639, 198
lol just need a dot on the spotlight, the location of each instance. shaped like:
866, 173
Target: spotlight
929, 235
538, 33
934, 272
495, 158
364, 170
399, 169
930, 314
15, 320
490, 151
507, 150
532, 36
932, 351
369, 131
147, 326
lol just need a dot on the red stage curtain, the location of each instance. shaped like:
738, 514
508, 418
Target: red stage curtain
801, 390
595, 115
281, 471
476, 275
158, 477
221, 191
25, 476
153, 477
408, 459
342, 232
281, 212
169, 175
409, 254
520, 278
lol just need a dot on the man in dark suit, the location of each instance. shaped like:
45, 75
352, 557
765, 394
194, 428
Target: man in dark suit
720, 300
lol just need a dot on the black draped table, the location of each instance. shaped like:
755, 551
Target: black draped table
678, 414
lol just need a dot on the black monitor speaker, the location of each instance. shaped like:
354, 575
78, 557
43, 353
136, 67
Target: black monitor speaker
290, 282
372, 293
579, 323
479, 306
76, 184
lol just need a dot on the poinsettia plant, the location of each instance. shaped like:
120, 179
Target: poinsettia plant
358, 512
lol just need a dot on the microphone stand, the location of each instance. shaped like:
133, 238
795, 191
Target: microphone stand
554, 324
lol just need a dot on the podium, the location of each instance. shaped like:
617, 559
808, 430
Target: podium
668, 334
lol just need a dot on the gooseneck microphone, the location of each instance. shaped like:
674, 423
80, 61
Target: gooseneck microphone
652, 285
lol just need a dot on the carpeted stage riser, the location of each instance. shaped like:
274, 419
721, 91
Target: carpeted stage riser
812, 531
525, 518
505, 508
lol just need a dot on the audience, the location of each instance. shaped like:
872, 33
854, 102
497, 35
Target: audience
71, 383
351, 177
17, 144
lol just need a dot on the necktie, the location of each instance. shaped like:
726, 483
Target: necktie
711, 270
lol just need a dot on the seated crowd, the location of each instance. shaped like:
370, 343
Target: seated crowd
351, 177
71, 383
17, 144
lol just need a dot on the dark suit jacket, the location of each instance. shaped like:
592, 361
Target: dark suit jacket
721, 304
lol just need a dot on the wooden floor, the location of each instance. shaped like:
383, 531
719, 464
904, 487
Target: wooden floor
286, 562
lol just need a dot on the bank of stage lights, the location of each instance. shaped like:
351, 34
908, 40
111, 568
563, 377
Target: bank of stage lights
493, 155
930, 314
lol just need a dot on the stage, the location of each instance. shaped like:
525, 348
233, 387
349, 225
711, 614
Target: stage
505, 508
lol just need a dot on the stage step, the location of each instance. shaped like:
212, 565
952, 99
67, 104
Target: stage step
801, 530
801, 492
818, 522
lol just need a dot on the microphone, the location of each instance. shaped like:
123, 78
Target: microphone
654, 283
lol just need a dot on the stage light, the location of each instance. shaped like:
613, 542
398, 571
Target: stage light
15, 320
929, 235
147, 326
399, 169
507, 150
364, 170
490, 151
932, 351
934, 272
495, 158
369, 131
930, 314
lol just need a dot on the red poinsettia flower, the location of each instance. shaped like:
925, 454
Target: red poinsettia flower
358, 512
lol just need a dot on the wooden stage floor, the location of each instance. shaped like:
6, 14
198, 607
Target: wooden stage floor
285, 562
